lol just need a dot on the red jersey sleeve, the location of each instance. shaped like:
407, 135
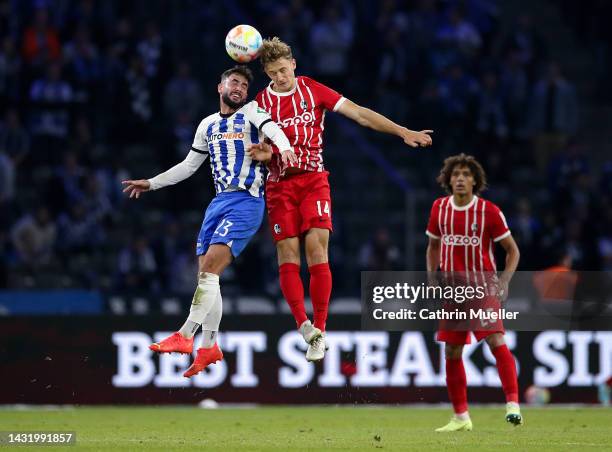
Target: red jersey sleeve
433, 228
325, 96
498, 227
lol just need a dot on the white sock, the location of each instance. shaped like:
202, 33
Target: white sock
204, 297
189, 329
210, 327
209, 338
512, 405
465, 416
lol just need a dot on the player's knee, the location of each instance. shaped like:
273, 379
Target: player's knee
288, 252
452, 351
215, 260
316, 255
495, 340
316, 246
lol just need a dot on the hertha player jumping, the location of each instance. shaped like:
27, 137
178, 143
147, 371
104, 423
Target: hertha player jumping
462, 230
233, 216
298, 195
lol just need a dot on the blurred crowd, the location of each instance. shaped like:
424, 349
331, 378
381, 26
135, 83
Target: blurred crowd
93, 92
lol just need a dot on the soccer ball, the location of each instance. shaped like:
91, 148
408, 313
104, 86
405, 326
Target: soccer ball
535, 395
242, 43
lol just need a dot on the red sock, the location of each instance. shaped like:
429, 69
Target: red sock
320, 291
293, 291
506, 367
456, 382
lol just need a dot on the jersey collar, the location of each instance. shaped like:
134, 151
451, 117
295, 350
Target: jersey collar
466, 207
276, 93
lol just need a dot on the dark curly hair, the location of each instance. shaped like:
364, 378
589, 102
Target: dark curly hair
238, 69
450, 163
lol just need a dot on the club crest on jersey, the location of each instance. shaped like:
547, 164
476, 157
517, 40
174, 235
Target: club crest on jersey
304, 105
277, 228
474, 227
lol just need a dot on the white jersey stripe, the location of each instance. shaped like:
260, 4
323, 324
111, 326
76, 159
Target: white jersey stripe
295, 111
446, 256
481, 251
314, 115
295, 137
474, 221
270, 104
465, 248
302, 100
320, 162
440, 258
452, 232
320, 167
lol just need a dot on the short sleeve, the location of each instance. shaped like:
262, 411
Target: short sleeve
498, 227
200, 142
257, 115
433, 228
326, 97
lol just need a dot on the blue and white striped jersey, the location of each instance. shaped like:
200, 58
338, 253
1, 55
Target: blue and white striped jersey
225, 139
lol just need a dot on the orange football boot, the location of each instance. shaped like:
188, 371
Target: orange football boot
204, 357
174, 343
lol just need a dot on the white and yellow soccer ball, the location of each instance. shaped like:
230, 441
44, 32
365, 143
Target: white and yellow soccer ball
242, 43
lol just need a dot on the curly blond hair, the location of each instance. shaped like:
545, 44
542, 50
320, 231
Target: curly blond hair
274, 49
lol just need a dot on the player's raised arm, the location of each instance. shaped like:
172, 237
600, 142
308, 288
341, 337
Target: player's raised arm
174, 175
369, 118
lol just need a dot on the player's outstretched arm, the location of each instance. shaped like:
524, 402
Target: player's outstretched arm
174, 175
135, 187
369, 118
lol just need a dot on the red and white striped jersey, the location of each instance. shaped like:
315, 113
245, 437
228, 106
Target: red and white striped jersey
300, 113
467, 233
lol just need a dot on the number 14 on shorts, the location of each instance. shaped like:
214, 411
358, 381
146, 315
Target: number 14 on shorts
323, 208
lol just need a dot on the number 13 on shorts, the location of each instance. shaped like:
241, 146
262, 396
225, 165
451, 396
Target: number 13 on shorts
223, 228
323, 208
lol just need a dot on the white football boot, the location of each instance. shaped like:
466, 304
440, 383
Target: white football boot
316, 349
309, 332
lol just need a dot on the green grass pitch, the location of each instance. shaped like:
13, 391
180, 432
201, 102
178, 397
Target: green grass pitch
315, 428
